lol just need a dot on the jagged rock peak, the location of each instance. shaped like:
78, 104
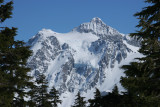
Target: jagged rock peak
41, 35
96, 20
96, 26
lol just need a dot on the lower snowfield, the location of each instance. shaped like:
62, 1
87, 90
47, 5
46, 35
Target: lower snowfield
112, 78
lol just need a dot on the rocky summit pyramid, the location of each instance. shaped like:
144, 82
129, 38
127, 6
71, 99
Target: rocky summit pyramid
87, 57
97, 27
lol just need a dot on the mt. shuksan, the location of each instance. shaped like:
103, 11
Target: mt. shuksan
87, 57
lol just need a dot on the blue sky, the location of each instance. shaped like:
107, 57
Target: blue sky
30, 16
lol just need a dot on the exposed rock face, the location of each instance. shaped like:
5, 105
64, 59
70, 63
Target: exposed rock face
81, 59
49, 50
97, 27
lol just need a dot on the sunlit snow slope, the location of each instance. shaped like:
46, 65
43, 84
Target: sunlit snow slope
87, 57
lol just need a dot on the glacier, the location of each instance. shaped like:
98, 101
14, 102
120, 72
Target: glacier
89, 56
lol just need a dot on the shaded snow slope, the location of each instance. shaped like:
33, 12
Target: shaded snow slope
87, 57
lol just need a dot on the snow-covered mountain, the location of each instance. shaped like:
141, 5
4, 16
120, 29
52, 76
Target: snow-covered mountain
87, 57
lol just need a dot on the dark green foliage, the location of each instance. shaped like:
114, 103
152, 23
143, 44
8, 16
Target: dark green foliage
33, 93
97, 101
79, 101
5, 10
115, 90
113, 99
41, 96
13, 59
54, 97
143, 77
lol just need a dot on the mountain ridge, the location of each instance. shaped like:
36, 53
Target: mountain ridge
87, 57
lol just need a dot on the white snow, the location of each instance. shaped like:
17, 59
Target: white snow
80, 42
133, 48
